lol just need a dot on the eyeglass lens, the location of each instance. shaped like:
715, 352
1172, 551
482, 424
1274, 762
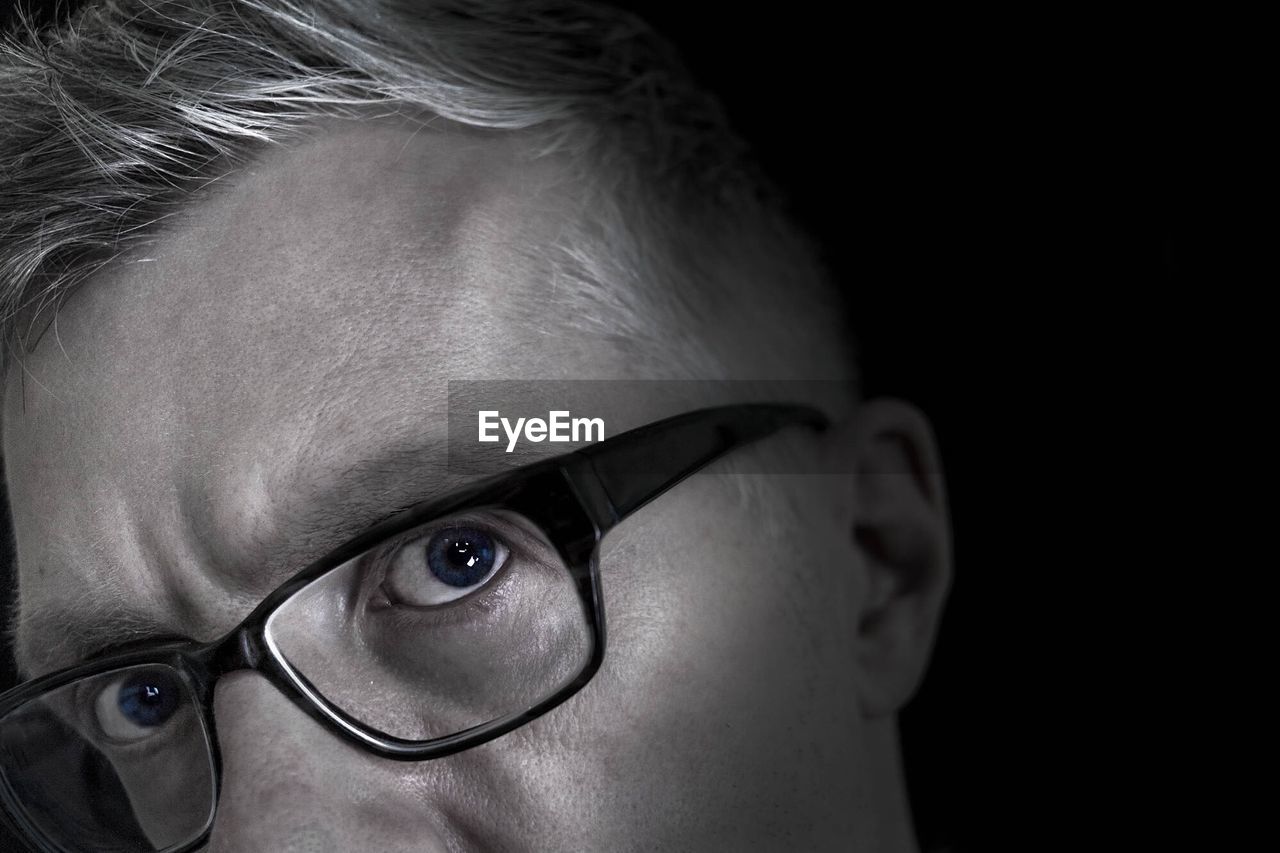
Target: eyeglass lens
118, 761
452, 625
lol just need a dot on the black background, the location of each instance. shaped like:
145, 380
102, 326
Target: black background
1007, 202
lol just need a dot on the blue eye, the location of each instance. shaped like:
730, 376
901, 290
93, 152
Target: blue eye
446, 563
149, 699
461, 556
136, 704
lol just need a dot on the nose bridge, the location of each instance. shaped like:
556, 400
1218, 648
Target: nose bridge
290, 785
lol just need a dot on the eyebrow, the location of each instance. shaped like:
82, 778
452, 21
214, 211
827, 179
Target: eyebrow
70, 632
338, 507
334, 510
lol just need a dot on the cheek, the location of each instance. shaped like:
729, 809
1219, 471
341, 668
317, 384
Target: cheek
723, 679
716, 597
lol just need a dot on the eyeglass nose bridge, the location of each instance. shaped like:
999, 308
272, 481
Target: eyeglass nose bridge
242, 649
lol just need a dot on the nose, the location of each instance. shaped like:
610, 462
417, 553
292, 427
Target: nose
289, 785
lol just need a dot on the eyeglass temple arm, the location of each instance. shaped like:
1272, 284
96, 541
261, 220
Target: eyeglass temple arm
638, 466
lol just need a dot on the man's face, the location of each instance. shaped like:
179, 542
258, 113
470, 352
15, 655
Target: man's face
189, 433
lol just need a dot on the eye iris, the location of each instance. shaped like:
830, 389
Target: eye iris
461, 557
148, 699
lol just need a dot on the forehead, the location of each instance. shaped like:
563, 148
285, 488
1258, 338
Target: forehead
188, 404
378, 248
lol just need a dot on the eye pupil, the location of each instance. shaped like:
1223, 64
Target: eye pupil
148, 699
461, 557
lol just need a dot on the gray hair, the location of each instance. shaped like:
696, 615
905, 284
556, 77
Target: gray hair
113, 121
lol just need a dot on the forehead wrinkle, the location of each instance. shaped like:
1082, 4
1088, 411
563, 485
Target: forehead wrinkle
328, 494
107, 578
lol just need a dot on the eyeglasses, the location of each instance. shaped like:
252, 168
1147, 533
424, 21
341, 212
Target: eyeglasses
442, 628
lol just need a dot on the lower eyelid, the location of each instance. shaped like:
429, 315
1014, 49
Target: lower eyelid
160, 739
484, 596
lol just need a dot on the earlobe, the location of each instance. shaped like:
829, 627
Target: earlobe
901, 537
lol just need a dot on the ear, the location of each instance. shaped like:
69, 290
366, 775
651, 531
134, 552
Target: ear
901, 538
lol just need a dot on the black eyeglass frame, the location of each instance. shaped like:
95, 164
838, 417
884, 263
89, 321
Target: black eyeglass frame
575, 499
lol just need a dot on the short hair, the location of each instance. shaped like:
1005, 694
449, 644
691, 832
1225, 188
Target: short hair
114, 119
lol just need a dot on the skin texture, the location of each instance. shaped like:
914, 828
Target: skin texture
177, 440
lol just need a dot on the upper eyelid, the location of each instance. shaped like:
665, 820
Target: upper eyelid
484, 518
